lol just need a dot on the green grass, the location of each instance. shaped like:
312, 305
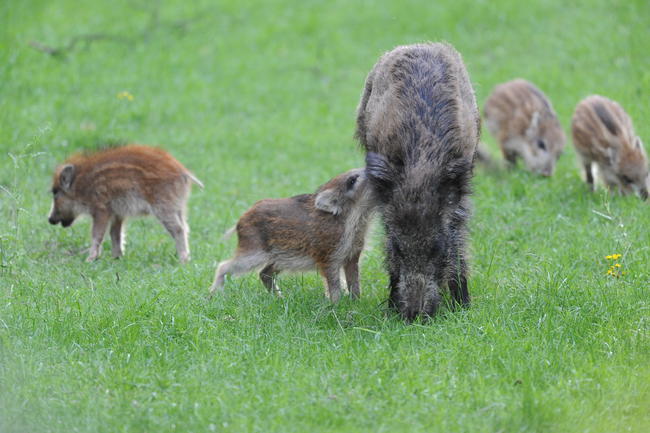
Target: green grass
258, 99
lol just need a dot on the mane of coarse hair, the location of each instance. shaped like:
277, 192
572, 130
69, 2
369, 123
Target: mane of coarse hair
427, 82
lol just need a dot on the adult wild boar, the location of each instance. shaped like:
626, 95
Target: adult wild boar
419, 123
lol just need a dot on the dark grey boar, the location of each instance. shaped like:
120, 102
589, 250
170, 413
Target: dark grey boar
323, 231
419, 123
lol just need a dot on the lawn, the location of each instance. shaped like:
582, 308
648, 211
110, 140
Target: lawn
258, 99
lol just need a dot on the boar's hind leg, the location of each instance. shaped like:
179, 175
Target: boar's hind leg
100, 224
175, 224
117, 237
267, 275
240, 264
351, 269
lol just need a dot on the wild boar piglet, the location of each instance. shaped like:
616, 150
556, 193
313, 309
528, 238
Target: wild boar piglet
603, 136
116, 183
419, 124
522, 120
323, 231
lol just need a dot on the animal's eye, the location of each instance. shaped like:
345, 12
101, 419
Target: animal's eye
541, 144
626, 179
351, 181
55, 191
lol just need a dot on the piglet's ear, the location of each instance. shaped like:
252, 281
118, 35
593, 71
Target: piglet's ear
612, 155
66, 177
533, 129
327, 201
639, 145
379, 172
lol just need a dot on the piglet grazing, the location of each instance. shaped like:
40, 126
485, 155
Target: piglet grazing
522, 119
323, 231
114, 184
603, 135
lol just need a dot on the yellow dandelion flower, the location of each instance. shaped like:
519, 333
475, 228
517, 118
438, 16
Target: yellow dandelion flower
608, 257
616, 256
618, 265
125, 95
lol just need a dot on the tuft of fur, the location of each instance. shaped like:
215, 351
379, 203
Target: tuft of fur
324, 231
603, 135
521, 118
419, 124
122, 182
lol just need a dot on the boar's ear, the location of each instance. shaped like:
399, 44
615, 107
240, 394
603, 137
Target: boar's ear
66, 177
380, 173
328, 201
533, 128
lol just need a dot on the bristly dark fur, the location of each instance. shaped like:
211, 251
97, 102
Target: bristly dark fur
419, 123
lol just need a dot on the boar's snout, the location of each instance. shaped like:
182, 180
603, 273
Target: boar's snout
53, 220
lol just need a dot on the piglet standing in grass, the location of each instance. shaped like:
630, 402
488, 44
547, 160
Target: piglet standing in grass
603, 135
419, 123
116, 183
522, 120
323, 231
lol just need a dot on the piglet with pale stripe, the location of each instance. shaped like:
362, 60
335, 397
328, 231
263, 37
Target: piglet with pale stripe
117, 183
604, 137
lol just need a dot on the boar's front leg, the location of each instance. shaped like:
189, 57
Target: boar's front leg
394, 273
393, 297
351, 269
100, 224
459, 291
117, 237
458, 282
332, 276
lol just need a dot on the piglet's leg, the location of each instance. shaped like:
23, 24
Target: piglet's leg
117, 237
177, 228
589, 177
235, 266
332, 276
100, 224
267, 275
351, 269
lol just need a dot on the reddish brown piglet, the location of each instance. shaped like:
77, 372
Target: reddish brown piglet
117, 183
323, 231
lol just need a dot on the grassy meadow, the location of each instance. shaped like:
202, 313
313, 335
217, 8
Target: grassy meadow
258, 99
